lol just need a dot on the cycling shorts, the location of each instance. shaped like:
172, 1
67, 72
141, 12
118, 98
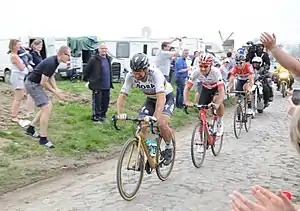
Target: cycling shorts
207, 95
199, 86
149, 106
240, 84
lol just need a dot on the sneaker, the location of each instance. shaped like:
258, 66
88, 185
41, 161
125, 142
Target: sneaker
219, 129
31, 132
249, 111
46, 143
168, 155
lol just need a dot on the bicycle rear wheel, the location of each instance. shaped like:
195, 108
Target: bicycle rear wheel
197, 144
216, 151
138, 166
160, 160
237, 121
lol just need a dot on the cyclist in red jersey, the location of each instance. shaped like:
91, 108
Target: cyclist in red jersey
245, 78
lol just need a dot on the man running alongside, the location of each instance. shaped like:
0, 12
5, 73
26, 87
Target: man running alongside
212, 88
245, 73
160, 98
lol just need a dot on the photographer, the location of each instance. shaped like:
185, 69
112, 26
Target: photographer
256, 51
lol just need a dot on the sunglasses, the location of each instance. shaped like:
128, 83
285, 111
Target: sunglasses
240, 62
204, 66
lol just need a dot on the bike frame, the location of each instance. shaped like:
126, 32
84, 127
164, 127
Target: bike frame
140, 136
202, 117
240, 98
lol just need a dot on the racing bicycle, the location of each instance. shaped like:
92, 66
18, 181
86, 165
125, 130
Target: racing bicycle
208, 137
240, 116
138, 145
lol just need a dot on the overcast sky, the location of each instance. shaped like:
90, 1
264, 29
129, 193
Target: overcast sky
119, 18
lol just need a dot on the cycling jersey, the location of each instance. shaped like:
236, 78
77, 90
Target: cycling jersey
211, 81
242, 73
155, 84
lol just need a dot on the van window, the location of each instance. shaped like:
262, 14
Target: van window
154, 51
123, 50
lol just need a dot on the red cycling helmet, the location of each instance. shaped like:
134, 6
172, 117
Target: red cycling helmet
206, 58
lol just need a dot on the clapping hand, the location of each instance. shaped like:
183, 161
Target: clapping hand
266, 201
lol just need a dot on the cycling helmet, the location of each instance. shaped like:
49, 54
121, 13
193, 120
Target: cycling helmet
257, 59
206, 58
139, 62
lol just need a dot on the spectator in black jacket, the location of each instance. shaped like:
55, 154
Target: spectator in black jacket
36, 46
98, 72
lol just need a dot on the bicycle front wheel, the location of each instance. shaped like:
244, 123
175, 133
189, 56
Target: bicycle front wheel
134, 163
247, 120
198, 143
237, 121
163, 170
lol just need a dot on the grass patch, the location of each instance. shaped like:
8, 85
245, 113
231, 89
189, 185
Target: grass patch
73, 134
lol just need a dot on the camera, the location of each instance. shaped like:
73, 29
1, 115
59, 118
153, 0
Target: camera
252, 47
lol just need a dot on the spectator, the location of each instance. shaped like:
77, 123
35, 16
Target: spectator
294, 111
18, 73
225, 69
181, 74
196, 54
36, 46
172, 67
163, 58
99, 74
233, 63
41, 78
265, 201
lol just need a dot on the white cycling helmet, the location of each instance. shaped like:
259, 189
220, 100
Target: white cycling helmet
257, 60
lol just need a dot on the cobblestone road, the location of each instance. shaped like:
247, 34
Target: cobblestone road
263, 156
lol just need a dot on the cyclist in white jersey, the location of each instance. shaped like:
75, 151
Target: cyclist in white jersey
160, 98
212, 87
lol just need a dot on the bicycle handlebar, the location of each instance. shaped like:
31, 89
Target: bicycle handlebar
238, 92
150, 120
198, 106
